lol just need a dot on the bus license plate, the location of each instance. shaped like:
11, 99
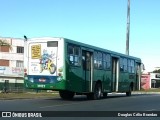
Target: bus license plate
41, 86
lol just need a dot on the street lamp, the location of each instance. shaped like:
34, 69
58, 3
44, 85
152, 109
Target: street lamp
25, 37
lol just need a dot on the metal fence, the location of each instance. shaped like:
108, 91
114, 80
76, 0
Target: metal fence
19, 90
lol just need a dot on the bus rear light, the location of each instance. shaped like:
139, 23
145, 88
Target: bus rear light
59, 74
60, 70
25, 74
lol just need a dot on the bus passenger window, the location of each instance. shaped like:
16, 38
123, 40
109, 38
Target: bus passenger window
71, 59
129, 66
104, 61
99, 60
88, 61
125, 64
83, 61
132, 66
95, 60
74, 55
121, 64
108, 58
76, 60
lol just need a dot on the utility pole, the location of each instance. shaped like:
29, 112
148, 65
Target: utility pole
128, 28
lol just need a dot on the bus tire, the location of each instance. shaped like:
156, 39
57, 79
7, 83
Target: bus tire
66, 95
96, 95
128, 93
97, 91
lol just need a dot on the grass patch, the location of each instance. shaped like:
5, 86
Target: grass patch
151, 90
29, 95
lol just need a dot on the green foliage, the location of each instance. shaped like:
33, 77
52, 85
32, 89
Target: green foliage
156, 71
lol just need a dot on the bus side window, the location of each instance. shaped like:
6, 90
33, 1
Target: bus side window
106, 61
132, 66
121, 64
95, 60
74, 55
100, 60
70, 54
88, 59
70, 59
83, 61
125, 64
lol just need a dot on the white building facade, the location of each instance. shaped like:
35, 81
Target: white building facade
11, 63
155, 80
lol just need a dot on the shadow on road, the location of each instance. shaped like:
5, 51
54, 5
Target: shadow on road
84, 98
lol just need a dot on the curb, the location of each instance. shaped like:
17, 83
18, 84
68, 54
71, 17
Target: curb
146, 92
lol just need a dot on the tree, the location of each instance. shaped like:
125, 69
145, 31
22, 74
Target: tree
5, 43
156, 71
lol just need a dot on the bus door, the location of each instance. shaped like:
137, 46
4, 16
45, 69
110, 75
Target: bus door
87, 68
115, 74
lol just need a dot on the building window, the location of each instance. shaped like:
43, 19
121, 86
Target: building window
20, 49
19, 63
4, 62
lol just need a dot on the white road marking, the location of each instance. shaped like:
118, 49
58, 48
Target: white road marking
60, 105
151, 110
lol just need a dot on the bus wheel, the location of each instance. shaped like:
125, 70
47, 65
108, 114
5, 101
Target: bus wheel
66, 95
96, 94
105, 95
97, 91
128, 93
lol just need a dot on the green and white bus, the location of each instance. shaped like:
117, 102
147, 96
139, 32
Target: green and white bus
75, 68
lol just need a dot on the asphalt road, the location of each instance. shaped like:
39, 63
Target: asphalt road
115, 102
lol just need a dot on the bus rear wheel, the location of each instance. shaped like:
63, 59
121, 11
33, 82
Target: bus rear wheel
66, 95
128, 93
96, 94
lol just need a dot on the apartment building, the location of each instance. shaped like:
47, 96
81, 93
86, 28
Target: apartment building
11, 63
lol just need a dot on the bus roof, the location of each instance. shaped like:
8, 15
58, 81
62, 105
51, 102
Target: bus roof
113, 53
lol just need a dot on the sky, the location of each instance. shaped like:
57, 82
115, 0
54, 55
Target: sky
100, 23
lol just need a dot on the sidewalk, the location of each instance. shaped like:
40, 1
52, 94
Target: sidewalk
136, 92
143, 92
